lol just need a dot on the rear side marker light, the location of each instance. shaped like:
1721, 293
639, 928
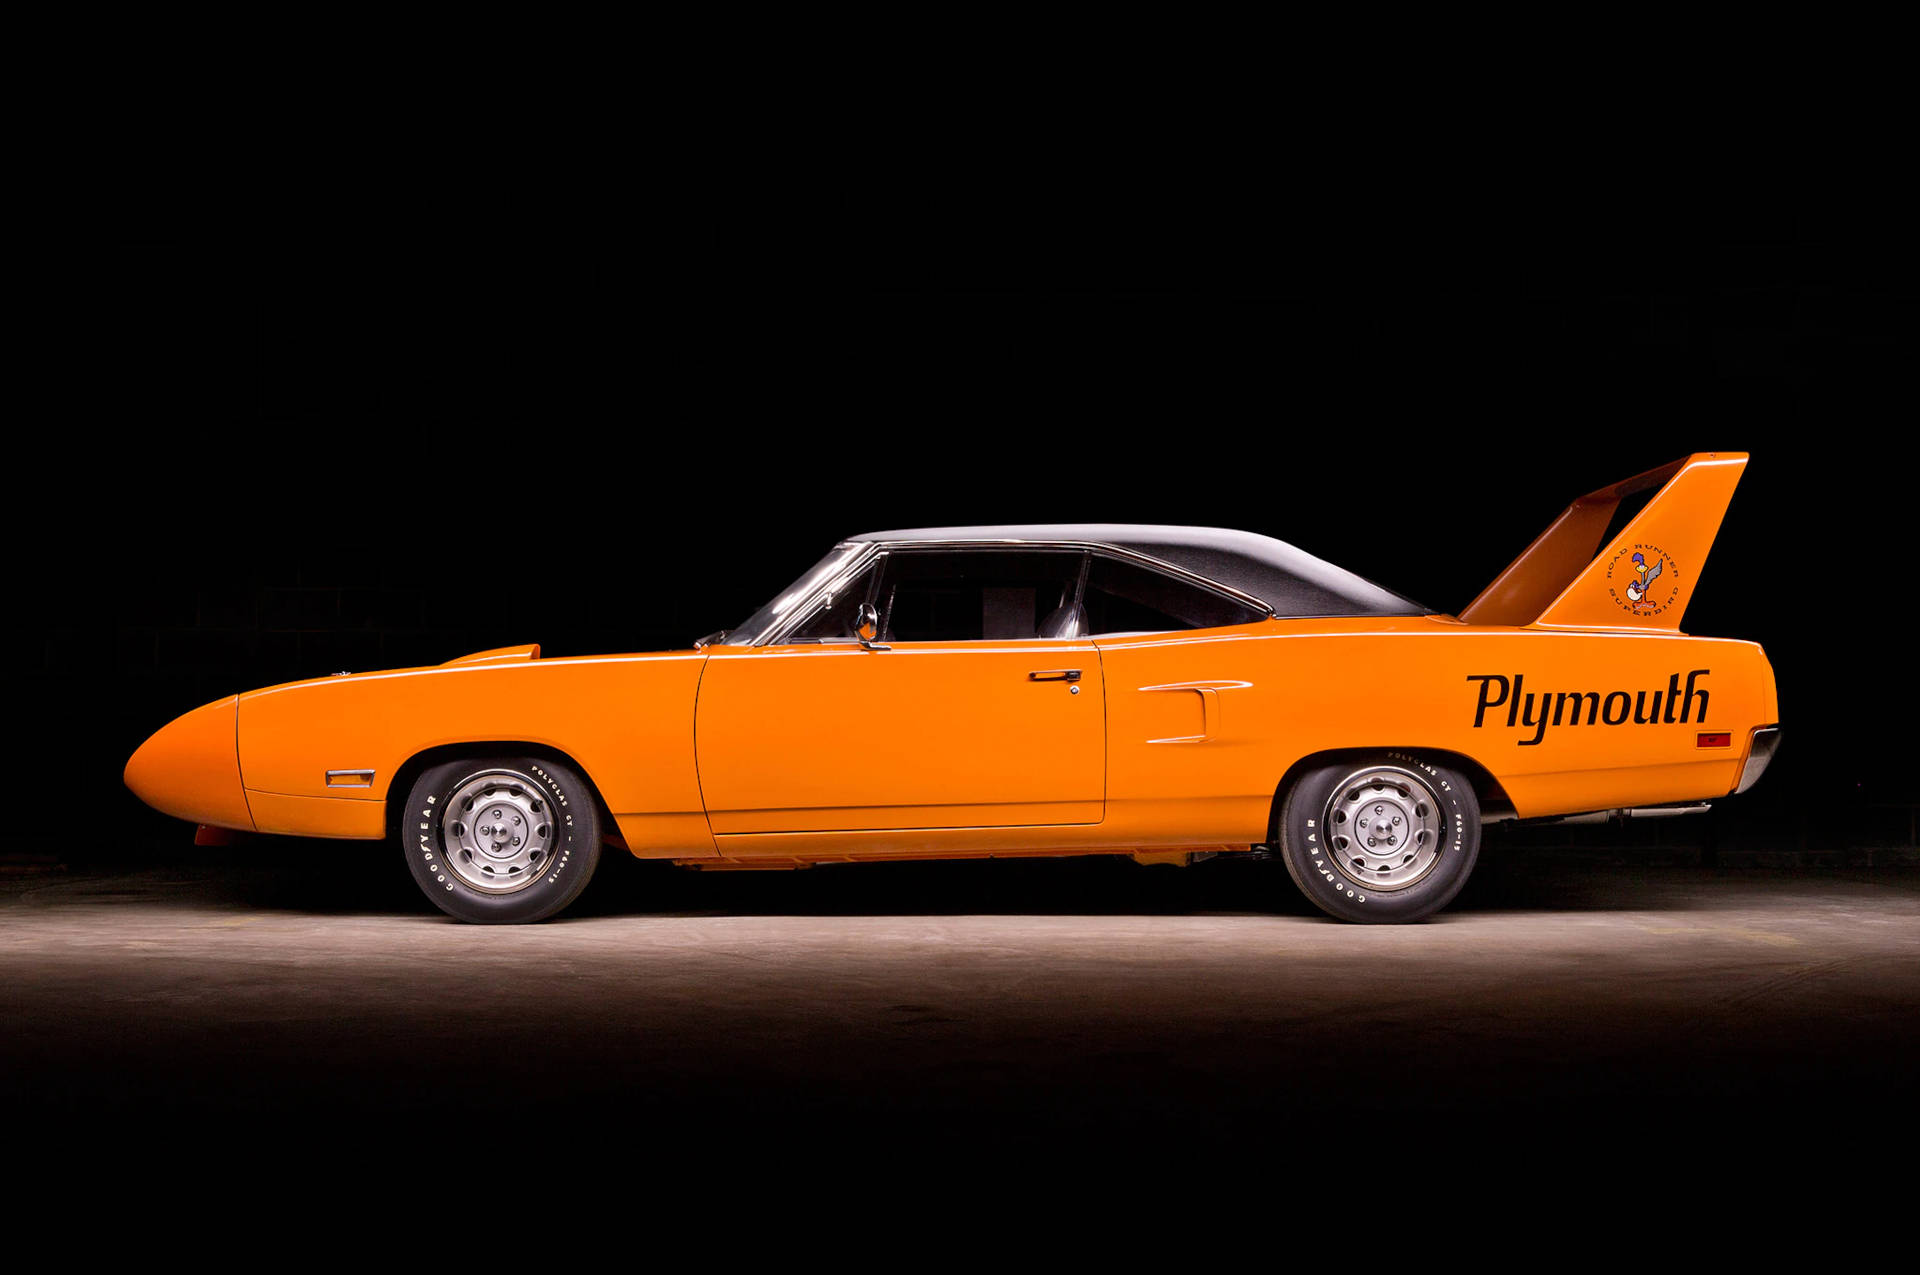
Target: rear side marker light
1716, 740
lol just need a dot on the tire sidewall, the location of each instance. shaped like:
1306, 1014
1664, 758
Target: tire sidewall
576, 844
1302, 842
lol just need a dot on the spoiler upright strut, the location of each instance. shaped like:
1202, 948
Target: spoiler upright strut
1641, 579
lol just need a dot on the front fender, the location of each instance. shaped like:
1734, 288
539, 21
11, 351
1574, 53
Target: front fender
306, 747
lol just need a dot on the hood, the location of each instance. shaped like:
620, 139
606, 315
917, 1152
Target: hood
499, 655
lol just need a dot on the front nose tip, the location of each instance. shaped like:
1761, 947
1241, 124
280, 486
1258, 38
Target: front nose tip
190, 768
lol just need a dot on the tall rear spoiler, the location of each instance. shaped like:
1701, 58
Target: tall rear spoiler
1641, 579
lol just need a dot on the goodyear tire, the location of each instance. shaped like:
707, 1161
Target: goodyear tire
1386, 837
501, 840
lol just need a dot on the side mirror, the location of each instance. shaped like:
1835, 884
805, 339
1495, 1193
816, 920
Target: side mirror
866, 627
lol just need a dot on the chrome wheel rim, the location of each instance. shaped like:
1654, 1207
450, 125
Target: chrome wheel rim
1384, 828
497, 831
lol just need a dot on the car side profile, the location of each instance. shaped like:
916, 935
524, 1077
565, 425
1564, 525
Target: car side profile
1161, 692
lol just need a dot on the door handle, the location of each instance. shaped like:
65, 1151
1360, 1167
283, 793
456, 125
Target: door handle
1054, 675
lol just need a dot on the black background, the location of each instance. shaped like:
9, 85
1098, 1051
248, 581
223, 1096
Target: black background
276, 461
1400, 329
266, 461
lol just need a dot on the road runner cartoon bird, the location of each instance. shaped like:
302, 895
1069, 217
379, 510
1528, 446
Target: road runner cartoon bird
1637, 588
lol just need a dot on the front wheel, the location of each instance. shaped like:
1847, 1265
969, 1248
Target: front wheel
501, 840
1385, 838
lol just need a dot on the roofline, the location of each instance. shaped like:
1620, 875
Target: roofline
1283, 578
1268, 576
1123, 552
1027, 533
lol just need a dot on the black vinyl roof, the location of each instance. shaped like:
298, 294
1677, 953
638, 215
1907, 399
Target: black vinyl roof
1291, 581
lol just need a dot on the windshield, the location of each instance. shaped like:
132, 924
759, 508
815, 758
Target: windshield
769, 615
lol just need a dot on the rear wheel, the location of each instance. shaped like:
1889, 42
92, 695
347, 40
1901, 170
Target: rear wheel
1386, 838
501, 840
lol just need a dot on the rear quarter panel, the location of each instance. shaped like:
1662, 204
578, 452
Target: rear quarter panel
1285, 689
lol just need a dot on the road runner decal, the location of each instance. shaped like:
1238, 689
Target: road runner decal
1634, 579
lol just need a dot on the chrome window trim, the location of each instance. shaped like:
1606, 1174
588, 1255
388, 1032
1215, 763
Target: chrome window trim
804, 610
878, 548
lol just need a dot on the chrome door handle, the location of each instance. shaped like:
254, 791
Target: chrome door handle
1054, 675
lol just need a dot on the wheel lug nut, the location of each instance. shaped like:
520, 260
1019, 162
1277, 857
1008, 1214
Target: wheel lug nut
516, 841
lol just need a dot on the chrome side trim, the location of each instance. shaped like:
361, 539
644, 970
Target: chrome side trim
871, 548
1766, 741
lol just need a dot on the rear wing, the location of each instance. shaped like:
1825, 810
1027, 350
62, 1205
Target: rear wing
1642, 578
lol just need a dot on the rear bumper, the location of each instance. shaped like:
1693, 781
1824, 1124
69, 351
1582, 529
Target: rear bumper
1760, 749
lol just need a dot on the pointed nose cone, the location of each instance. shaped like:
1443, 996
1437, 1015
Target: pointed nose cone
190, 768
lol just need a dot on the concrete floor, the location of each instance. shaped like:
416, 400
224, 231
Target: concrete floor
1018, 1004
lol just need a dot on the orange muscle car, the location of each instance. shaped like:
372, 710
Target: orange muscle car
1163, 692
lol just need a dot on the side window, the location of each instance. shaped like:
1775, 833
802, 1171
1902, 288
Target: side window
835, 619
1124, 598
974, 595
